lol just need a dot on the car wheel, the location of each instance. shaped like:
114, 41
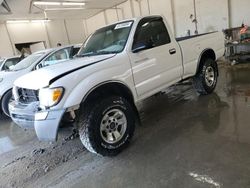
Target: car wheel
5, 103
107, 126
206, 79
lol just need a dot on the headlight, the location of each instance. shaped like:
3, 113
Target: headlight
1, 79
50, 96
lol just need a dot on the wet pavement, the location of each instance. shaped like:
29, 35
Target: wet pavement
185, 140
11, 136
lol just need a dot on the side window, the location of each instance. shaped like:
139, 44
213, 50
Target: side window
7, 64
55, 58
16, 60
151, 33
10, 62
74, 51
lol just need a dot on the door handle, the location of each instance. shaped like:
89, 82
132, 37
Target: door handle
172, 51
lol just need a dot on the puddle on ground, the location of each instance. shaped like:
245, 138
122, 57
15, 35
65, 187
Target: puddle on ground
11, 136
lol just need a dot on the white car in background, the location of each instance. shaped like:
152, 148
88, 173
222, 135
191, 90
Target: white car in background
6, 63
33, 62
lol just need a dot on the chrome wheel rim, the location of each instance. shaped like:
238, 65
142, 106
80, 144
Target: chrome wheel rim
210, 76
113, 126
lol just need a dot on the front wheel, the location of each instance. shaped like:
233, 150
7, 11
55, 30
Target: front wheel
206, 79
5, 103
107, 126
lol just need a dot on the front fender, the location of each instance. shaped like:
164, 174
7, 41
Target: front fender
79, 83
92, 82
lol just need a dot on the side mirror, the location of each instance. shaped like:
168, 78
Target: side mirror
140, 46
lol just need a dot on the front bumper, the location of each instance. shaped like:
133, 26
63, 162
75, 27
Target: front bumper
45, 123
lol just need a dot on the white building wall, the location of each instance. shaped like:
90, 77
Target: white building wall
239, 12
135, 6
125, 10
76, 31
112, 16
163, 8
183, 10
212, 15
144, 4
27, 32
5, 44
95, 22
53, 32
57, 32
212, 19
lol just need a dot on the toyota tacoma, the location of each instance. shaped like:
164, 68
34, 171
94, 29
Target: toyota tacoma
118, 66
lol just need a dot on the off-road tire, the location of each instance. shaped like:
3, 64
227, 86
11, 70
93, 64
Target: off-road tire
89, 123
199, 81
5, 103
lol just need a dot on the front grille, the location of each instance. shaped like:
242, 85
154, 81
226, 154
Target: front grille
27, 95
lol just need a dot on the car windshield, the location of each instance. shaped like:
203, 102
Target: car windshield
108, 40
10, 63
28, 61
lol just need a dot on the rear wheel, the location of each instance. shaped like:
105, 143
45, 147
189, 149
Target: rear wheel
5, 103
107, 126
206, 79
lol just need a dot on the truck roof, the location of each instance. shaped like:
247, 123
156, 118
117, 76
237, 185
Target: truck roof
131, 19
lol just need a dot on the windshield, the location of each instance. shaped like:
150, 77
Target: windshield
110, 39
10, 63
28, 61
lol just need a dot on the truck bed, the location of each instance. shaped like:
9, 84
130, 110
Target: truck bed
193, 46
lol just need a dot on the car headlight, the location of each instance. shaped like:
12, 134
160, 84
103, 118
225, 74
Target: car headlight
49, 97
1, 79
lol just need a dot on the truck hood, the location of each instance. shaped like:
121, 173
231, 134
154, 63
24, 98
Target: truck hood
44, 77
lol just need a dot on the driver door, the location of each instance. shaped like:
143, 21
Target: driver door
156, 60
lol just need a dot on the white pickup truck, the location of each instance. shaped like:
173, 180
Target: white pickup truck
118, 66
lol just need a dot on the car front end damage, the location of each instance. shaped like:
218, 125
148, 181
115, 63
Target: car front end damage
27, 113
